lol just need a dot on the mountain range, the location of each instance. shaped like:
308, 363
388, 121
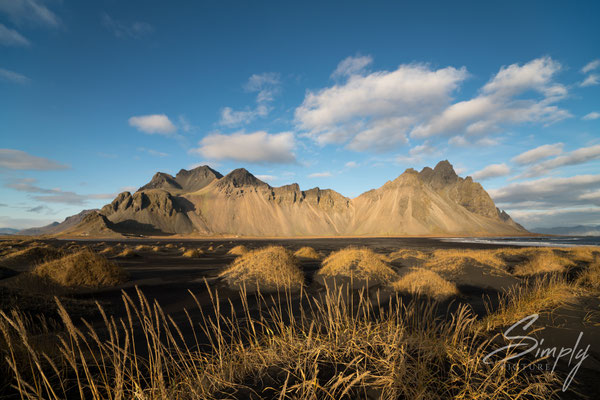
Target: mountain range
203, 202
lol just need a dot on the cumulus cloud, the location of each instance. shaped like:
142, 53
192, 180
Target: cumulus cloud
20, 160
11, 76
153, 124
575, 157
32, 11
324, 174
256, 147
377, 110
10, 37
352, 66
492, 171
501, 102
267, 86
592, 65
120, 29
591, 116
539, 153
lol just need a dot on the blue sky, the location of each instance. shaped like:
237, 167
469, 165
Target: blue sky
95, 97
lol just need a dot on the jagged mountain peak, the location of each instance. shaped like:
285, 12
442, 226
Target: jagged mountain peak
240, 177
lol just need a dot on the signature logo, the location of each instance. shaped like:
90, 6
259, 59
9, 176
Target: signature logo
528, 344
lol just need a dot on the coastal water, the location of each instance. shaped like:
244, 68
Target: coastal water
555, 241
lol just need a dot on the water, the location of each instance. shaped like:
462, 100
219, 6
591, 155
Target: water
559, 241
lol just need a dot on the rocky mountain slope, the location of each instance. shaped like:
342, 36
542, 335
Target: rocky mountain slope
203, 202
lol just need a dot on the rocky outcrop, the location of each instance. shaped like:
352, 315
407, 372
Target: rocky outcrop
184, 181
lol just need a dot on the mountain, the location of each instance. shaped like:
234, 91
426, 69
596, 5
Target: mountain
56, 227
8, 231
203, 202
579, 230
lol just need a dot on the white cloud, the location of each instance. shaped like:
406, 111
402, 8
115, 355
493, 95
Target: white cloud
590, 80
120, 29
351, 164
20, 160
33, 11
324, 174
539, 153
10, 37
579, 156
267, 85
230, 117
492, 171
592, 65
500, 102
256, 147
12, 76
376, 111
352, 66
267, 178
591, 116
153, 124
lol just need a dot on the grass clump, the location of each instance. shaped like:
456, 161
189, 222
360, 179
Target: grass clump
421, 281
128, 253
269, 268
30, 256
307, 252
542, 260
192, 253
358, 263
238, 250
82, 269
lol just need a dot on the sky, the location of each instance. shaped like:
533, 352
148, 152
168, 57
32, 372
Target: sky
96, 97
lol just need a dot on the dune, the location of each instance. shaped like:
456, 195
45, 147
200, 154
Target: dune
308, 253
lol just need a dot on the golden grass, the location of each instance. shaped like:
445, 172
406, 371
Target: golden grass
331, 351
421, 281
405, 253
543, 293
238, 250
192, 253
358, 263
82, 269
269, 268
307, 252
542, 260
589, 277
30, 256
143, 247
128, 253
156, 249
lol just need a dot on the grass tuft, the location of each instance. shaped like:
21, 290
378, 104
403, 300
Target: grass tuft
269, 268
82, 269
421, 281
